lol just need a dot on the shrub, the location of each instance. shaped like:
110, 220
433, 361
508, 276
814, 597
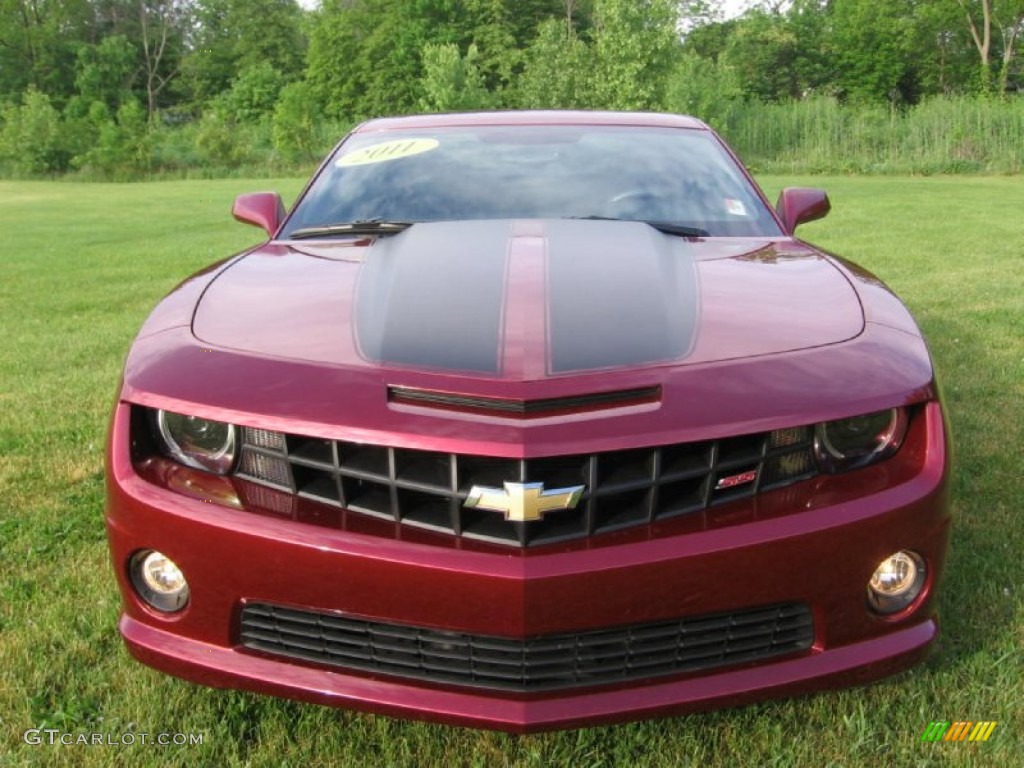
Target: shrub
31, 140
297, 123
253, 94
556, 71
704, 88
451, 82
122, 148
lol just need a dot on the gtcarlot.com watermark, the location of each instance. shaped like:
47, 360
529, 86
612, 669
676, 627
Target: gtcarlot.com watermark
55, 737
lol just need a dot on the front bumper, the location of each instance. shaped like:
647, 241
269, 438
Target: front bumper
821, 556
222, 667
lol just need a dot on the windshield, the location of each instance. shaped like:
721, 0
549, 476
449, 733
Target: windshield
666, 175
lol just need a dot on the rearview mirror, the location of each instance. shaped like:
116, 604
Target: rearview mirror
264, 209
798, 205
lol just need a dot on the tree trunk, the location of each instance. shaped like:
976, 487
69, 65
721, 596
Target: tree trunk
982, 39
1010, 34
154, 45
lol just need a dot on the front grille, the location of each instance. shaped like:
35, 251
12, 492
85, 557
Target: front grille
622, 488
547, 662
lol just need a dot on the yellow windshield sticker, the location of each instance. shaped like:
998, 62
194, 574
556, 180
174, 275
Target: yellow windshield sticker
387, 150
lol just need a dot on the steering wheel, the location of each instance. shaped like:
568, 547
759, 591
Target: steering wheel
638, 203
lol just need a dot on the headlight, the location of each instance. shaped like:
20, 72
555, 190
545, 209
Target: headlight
850, 443
197, 442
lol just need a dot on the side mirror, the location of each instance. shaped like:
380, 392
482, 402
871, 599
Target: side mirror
798, 205
264, 209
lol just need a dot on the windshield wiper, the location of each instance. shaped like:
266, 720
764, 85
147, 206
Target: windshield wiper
362, 227
668, 227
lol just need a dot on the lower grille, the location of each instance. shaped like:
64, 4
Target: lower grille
548, 662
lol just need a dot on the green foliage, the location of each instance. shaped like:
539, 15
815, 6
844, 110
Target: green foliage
333, 61
763, 51
235, 36
121, 148
244, 90
253, 94
491, 32
624, 63
104, 72
267, 32
31, 140
364, 57
706, 89
710, 40
523, 17
874, 56
218, 141
209, 66
946, 60
297, 122
556, 72
452, 82
941, 135
633, 46
39, 42
814, 57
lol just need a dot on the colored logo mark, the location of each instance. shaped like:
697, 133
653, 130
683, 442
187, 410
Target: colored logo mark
522, 502
959, 731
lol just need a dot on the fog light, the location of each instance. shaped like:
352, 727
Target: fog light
896, 582
159, 581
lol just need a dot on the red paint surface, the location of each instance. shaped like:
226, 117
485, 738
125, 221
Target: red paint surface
786, 336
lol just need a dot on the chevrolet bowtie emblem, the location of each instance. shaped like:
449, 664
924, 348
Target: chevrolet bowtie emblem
523, 502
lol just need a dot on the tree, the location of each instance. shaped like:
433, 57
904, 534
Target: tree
490, 31
161, 27
297, 118
104, 72
763, 50
945, 55
231, 36
364, 55
710, 40
452, 82
39, 40
873, 49
556, 72
334, 66
525, 16
30, 135
1011, 34
814, 54
704, 88
122, 144
1007, 19
253, 94
634, 45
209, 63
694, 14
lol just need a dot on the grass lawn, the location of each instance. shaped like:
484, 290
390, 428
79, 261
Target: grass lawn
82, 264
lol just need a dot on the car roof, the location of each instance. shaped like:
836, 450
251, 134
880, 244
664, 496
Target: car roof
532, 117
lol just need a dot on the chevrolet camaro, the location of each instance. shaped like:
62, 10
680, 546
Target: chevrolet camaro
529, 421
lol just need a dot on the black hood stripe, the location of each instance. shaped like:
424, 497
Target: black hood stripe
621, 294
432, 297
618, 294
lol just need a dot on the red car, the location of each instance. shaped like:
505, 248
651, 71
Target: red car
529, 421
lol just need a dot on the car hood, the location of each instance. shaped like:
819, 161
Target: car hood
528, 300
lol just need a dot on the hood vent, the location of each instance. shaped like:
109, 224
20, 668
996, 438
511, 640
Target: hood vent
523, 409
